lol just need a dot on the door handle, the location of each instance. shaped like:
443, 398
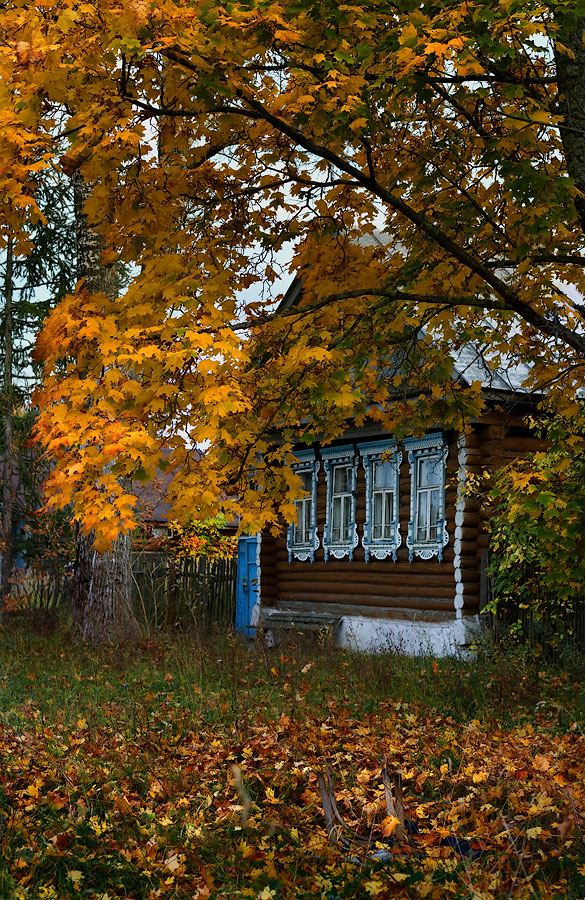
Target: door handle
245, 583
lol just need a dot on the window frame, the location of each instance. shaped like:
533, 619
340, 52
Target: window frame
305, 550
432, 446
339, 456
371, 453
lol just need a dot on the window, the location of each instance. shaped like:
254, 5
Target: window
427, 531
340, 538
302, 530
429, 478
341, 504
381, 461
302, 538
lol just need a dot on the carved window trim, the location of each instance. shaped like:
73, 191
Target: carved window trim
432, 446
332, 457
306, 462
371, 453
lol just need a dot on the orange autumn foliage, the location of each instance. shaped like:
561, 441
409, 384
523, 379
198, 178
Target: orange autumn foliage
217, 138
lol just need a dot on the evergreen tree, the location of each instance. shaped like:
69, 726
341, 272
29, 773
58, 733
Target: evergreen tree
31, 284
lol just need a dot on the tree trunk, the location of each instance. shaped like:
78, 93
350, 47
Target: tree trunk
102, 582
8, 415
571, 103
102, 592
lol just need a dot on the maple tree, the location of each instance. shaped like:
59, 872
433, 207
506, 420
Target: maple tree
207, 538
102, 581
217, 138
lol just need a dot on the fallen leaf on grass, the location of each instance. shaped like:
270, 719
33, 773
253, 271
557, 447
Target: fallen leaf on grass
541, 763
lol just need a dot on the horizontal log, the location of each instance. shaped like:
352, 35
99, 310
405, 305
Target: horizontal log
493, 462
388, 597
471, 511
472, 607
496, 429
268, 551
469, 548
472, 588
268, 584
471, 580
471, 592
269, 567
524, 444
468, 567
469, 541
492, 457
386, 602
472, 441
361, 579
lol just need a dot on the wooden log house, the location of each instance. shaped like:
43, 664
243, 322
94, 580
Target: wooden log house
390, 548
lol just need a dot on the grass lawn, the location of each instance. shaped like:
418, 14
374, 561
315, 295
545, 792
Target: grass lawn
189, 770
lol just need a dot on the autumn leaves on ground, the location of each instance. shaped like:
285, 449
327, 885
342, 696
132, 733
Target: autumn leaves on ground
190, 771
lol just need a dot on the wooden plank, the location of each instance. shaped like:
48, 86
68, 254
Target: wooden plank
303, 620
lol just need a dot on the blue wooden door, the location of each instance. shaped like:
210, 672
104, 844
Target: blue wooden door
247, 586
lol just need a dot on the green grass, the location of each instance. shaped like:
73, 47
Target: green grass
117, 770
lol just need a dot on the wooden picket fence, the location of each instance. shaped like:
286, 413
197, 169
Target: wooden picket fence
167, 594
184, 593
39, 594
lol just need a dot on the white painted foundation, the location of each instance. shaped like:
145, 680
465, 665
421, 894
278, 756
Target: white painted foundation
373, 635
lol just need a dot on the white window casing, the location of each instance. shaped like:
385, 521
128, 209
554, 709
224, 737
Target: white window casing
302, 539
427, 528
381, 461
340, 537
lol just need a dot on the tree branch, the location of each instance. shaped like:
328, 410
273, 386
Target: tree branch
446, 302
568, 260
255, 109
